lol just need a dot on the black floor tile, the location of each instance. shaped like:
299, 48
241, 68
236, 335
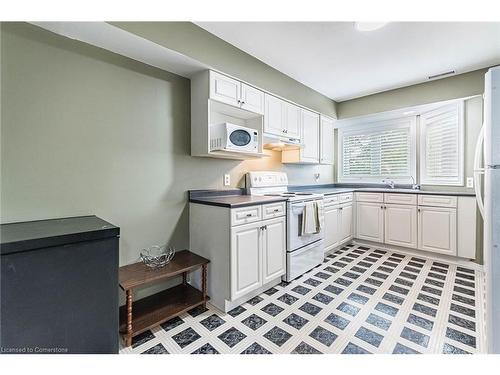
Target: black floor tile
312, 282
171, 324
186, 337
450, 349
399, 289
337, 321
288, 299
237, 311
304, 348
431, 290
428, 299
231, 337
142, 338
343, 282
465, 300
212, 322
463, 310
254, 321
206, 349
358, 298
462, 322
462, 337
402, 349
466, 291
425, 309
272, 309
310, 308
301, 290
373, 282
348, 308
404, 282
389, 310
366, 289
379, 322
354, 349
323, 298
393, 298
416, 337
256, 349
323, 335
420, 322
157, 349
334, 289
369, 336
296, 321
277, 336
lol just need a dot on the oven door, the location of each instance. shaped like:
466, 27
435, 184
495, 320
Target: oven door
242, 139
295, 239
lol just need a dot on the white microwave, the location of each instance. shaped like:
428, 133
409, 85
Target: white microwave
231, 137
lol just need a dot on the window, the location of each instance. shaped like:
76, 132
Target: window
376, 150
442, 145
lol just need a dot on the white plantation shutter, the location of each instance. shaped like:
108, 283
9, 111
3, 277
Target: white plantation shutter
442, 145
374, 151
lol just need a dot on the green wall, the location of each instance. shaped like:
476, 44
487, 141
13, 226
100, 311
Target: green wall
197, 43
459, 86
86, 131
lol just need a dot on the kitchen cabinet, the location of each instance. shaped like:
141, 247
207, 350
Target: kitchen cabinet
251, 99
370, 221
281, 118
326, 140
437, 229
238, 94
225, 89
246, 247
338, 220
400, 225
274, 115
246, 259
332, 227
345, 222
310, 132
274, 249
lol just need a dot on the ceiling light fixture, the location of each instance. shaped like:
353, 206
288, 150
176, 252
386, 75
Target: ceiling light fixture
369, 26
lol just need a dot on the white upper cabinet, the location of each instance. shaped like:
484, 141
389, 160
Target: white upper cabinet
293, 121
225, 89
252, 99
326, 140
274, 115
231, 91
310, 133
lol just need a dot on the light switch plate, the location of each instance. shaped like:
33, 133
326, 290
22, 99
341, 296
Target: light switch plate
227, 179
470, 182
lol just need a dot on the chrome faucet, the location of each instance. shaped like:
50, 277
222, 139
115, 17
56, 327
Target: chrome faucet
388, 182
414, 186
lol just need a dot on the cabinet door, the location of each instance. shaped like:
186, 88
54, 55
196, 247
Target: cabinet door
437, 229
370, 221
331, 228
346, 232
246, 259
310, 137
252, 99
326, 141
274, 115
224, 89
293, 128
400, 223
274, 249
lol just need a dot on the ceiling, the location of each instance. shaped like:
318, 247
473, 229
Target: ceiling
343, 63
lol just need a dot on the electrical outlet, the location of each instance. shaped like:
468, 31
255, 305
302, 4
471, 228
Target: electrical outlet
227, 179
470, 182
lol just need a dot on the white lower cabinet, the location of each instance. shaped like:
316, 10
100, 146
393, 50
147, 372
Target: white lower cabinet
400, 225
331, 228
370, 221
345, 222
258, 252
437, 229
246, 259
274, 249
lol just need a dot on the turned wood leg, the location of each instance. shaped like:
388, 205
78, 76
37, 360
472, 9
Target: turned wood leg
204, 283
128, 337
184, 278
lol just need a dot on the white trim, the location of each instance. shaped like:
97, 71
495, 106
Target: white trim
459, 181
373, 126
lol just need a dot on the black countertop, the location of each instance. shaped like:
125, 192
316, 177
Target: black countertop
230, 200
234, 198
30, 235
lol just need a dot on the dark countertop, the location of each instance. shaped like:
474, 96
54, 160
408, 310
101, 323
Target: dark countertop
233, 198
335, 189
235, 201
30, 235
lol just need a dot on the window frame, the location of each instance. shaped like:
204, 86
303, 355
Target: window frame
423, 178
373, 126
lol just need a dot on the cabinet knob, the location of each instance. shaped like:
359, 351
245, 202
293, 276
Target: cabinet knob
381, 207
249, 215
276, 210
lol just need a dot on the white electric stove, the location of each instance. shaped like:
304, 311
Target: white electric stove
303, 251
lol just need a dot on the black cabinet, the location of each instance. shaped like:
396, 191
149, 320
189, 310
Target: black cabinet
59, 286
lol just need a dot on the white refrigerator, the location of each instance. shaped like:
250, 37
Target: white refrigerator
487, 172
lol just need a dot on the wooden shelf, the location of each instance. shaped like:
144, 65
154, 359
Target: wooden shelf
138, 274
139, 316
160, 307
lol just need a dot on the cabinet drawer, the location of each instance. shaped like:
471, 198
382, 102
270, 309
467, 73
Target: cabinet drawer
400, 198
370, 197
273, 210
246, 215
347, 197
437, 200
330, 200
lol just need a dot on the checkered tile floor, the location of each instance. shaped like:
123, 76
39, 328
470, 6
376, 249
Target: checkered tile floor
360, 300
